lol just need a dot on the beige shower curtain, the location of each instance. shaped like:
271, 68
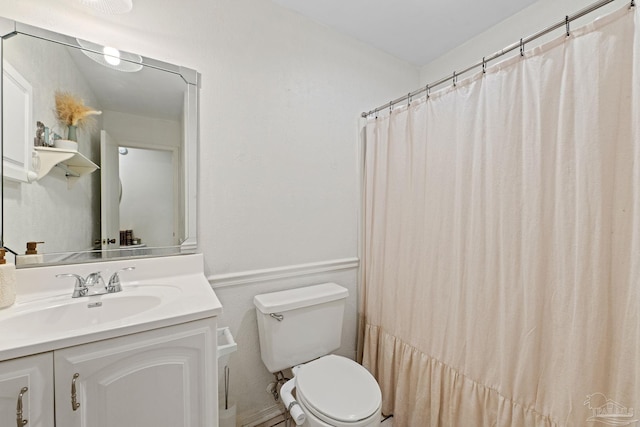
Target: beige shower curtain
502, 241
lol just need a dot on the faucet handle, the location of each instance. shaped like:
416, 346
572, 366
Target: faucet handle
114, 282
80, 287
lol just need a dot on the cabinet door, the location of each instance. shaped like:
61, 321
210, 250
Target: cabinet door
18, 125
160, 378
35, 373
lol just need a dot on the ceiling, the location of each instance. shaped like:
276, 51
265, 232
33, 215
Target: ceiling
417, 31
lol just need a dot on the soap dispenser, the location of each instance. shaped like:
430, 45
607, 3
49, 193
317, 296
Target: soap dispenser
31, 256
7, 281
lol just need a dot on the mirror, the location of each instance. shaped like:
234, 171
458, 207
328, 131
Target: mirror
126, 186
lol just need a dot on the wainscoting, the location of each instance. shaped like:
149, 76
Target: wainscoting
258, 276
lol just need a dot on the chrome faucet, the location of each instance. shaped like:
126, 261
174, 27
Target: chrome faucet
81, 287
94, 279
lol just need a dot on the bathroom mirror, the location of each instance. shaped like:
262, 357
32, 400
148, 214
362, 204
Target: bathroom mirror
128, 188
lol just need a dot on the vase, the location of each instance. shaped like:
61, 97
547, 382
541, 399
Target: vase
73, 133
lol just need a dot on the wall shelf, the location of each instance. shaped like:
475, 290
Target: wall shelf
72, 162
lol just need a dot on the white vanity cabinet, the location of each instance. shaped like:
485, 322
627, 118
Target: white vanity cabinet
159, 378
35, 373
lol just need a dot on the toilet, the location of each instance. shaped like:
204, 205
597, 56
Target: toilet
298, 329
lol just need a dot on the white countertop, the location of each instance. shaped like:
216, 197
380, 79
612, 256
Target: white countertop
167, 290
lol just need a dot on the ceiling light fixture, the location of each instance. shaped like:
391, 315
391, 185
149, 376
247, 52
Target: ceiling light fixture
111, 7
111, 57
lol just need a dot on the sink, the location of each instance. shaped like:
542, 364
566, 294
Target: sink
161, 292
65, 314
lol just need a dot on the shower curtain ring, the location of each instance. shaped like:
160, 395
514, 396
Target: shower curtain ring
484, 65
633, 3
390, 107
566, 23
455, 79
409, 99
428, 91
521, 47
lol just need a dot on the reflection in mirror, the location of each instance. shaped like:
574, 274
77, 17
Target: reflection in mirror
128, 187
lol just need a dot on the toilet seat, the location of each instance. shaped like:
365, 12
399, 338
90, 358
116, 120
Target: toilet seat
338, 391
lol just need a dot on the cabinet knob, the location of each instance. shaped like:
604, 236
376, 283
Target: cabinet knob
20, 421
74, 403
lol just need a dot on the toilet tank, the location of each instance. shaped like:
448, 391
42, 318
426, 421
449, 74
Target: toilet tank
310, 325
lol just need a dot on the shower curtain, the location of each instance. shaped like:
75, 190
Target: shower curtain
501, 270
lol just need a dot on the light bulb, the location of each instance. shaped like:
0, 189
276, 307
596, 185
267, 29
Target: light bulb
111, 55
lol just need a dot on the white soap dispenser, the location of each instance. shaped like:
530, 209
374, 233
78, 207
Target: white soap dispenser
7, 281
31, 256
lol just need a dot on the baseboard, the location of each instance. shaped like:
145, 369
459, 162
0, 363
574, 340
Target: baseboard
252, 420
255, 276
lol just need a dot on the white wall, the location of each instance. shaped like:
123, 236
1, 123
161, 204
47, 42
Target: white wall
280, 103
529, 21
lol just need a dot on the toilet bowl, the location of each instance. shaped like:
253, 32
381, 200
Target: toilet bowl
334, 391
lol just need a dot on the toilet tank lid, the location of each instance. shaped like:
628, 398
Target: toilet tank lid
291, 299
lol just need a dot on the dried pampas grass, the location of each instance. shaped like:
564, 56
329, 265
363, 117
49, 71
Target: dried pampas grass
71, 111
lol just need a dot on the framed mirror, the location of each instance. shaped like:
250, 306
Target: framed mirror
99, 150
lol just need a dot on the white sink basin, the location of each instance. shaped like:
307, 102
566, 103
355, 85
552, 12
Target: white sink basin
160, 292
66, 314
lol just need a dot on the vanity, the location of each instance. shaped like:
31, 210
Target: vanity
145, 356
80, 348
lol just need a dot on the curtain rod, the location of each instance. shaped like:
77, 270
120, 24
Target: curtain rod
518, 45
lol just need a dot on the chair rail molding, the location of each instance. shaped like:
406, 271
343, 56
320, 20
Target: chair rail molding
255, 276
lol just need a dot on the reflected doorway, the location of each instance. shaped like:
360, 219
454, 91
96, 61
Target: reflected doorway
147, 197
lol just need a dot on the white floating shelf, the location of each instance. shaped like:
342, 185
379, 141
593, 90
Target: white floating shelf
72, 162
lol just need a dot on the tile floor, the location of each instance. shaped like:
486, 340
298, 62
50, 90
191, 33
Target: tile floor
277, 421
388, 422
